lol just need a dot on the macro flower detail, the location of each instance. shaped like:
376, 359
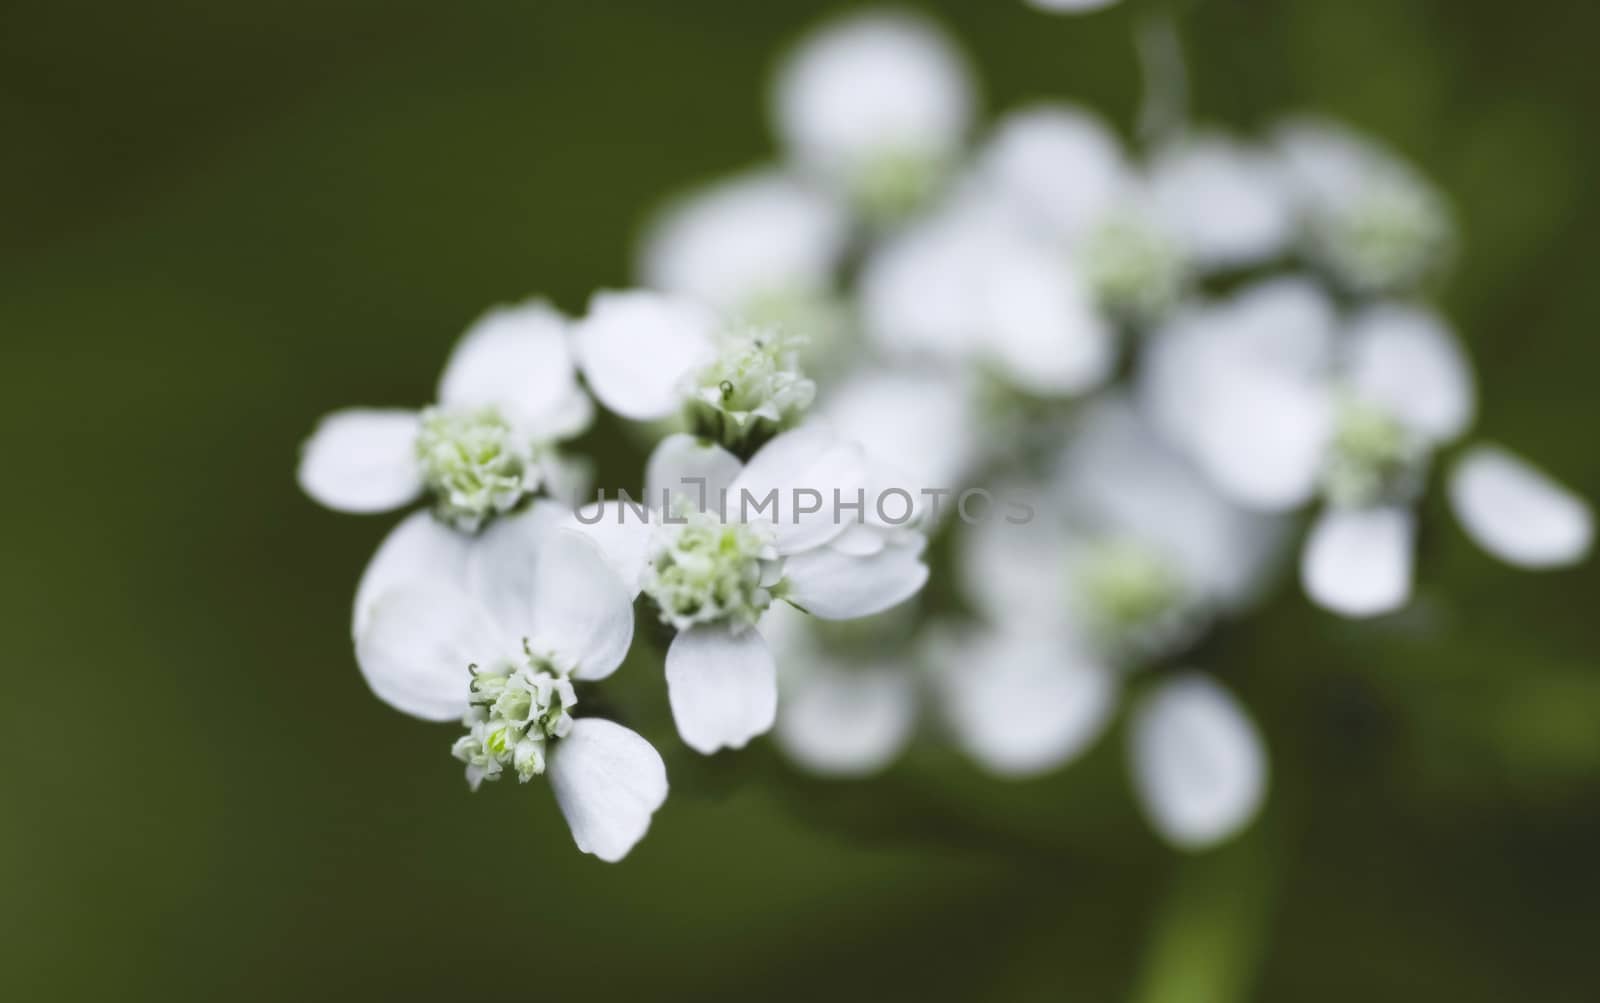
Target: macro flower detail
501, 645
649, 356
508, 393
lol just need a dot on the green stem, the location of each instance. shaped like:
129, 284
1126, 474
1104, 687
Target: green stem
1209, 935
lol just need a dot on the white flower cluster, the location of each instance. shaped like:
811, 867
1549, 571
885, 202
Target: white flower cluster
1025, 320
1261, 303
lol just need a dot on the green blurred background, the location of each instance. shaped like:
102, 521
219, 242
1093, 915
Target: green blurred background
222, 220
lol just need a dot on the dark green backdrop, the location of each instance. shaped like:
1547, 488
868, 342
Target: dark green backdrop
222, 219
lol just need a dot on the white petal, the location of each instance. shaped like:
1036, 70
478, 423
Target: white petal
622, 532
842, 722
835, 585
1406, 360
1199, 767
1517, 513
1230, 205
1060, 165
1022, 704
1016, 572
1357, 562
802, 466
752, 236
693, 469
554, 588
873, 84
519, 360
919, 291
420, 550
418, 644
608, 782
723, 688
636, 348
920, 420
1040, 323
1118, 478
362, 460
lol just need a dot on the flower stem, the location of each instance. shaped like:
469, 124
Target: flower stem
1208, 937
1165, 106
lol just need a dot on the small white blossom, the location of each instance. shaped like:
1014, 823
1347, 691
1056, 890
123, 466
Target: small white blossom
649, 356
507, 395
1369, 217
498, 642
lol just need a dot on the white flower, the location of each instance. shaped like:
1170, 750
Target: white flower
727, 539
747, 244
1131, 552
877, 104
1277, 406
648, 356
507, 394
1243, 389
499, 643
1370, 218
970, 286
1226, 203
1204, 203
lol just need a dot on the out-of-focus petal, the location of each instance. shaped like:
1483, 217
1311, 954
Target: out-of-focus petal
868, 85
1199, 766
1021, 704
1517, 513
844, 722
1229, 205
759, 234
1059, 166
1407, 361
1357, 562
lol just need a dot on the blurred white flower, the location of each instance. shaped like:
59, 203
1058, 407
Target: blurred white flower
1370, 218
648, 356
847, 710
726, 540
747, 245
1277, 405
970, 286
1204, 203
876, 104
498, 641
508, 393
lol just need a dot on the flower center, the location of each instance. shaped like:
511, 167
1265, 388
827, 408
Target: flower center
474, 464
709, 571
1372, 458
753, 390
1130, 594
891, 185
1134, 270
1389, 238
513, 714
